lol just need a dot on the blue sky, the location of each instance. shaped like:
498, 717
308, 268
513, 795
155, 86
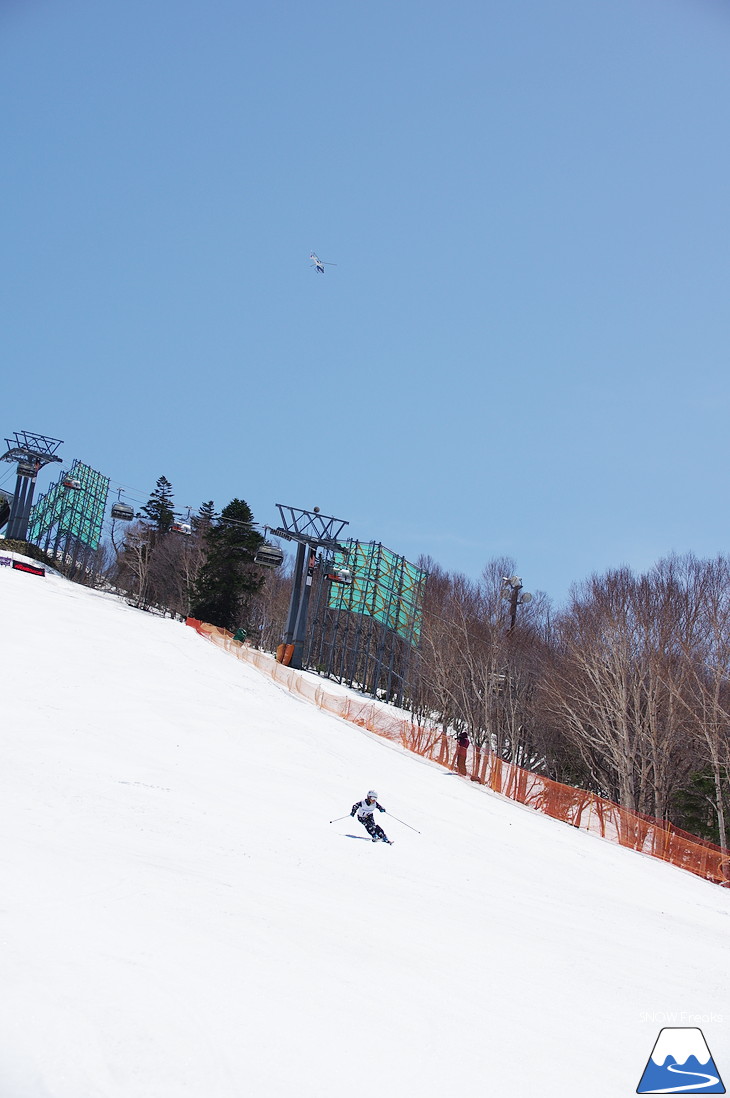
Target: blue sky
523, 347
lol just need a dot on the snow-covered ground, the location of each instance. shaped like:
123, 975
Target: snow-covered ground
179, 919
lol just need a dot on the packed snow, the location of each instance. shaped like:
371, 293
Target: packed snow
180, 919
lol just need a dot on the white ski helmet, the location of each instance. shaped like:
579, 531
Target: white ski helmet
372, 795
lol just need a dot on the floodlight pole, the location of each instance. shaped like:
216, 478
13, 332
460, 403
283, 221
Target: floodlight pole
512, 588
516, 588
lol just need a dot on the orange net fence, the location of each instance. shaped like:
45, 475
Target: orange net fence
576, 807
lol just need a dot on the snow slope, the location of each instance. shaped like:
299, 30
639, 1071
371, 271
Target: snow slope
179, 919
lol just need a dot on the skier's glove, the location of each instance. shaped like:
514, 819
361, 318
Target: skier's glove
353, 812
380, 809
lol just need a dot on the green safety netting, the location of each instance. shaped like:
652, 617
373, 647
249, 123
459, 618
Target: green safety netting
74, 507
384, 586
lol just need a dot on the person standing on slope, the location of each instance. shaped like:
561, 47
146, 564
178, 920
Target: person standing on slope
365, 813
462, 746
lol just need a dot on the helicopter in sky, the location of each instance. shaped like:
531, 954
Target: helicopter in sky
319, 264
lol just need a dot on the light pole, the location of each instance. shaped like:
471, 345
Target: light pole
511, 590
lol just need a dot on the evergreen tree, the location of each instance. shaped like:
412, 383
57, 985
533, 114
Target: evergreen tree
695, 805
228, 578
202, 521
158, 508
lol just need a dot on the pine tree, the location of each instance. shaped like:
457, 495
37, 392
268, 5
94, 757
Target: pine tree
202, 521
228, 578
158, 508
695, 805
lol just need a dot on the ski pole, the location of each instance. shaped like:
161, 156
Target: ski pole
339, 818
404, 823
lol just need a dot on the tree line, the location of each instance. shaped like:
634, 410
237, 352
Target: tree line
202, 566
624, 691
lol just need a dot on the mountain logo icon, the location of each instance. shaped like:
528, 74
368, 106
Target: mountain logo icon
680, 1063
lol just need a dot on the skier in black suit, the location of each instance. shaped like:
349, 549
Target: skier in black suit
365, 811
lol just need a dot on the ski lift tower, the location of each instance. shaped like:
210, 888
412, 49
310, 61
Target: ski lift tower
31, 452
311, 531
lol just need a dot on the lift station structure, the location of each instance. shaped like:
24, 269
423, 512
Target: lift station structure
31, 452
311, 531
367, 607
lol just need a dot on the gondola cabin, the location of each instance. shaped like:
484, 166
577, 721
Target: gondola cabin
123, 512
271, 556
71, 482
181, 528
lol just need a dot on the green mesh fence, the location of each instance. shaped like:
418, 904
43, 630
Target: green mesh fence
72, 509
384, 586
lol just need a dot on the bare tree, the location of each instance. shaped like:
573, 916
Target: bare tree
474, 672
611, 680
134, 562
703, 642
269, 607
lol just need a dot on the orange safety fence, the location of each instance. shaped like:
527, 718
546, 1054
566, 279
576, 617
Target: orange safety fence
576, 807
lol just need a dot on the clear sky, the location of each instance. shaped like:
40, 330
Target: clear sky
523, 348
